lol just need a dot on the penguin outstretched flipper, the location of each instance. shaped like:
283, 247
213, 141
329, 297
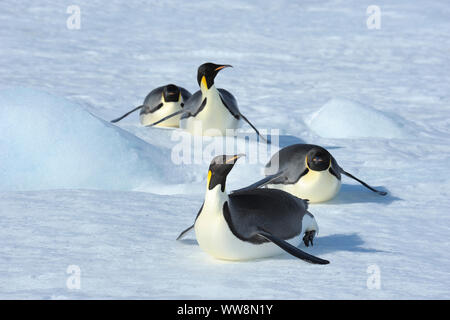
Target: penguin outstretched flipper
183, 233
190, 109
231, 104
261, 183
128, 113
254, 128
296, 252
165, 118
382, 193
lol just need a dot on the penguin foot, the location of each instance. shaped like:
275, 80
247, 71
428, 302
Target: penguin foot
308, 237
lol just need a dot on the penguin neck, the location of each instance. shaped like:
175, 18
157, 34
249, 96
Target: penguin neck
208, 92
214, 199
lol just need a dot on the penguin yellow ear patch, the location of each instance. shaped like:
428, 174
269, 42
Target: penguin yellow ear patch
204, 82
209, 178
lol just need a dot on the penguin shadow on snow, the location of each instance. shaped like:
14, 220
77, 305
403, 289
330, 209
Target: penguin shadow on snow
327, 244
341, 242
333, 243
189, 242
355, 193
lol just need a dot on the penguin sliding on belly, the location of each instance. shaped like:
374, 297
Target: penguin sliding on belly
306, 171
210, 111
160, 103
251, 224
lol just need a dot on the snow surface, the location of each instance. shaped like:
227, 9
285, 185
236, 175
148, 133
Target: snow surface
52, 143
341, 118
76, 190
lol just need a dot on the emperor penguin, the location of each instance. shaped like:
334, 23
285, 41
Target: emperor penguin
210, 111
306, 171
159, 103
251, 224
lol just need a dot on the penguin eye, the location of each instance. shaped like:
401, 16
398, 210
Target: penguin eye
182, 104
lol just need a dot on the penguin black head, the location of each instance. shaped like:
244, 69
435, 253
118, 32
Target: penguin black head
219, 169
171, 93
207, 72
318, 159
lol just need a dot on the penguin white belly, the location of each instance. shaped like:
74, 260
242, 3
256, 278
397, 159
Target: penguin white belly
316, 186
215, 238
167, 109
213, 120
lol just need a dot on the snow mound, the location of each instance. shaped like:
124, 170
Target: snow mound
47, 142
342, 118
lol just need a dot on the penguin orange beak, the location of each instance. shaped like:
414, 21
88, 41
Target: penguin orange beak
234, 158
223, 67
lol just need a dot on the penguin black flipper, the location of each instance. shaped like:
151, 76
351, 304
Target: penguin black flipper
202, 105
187, 111
382, 193
152, 102
335, 170
231, 104
183, 233
128, 113
254, 128
193, 105
165, 118
261, 183
296, 252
